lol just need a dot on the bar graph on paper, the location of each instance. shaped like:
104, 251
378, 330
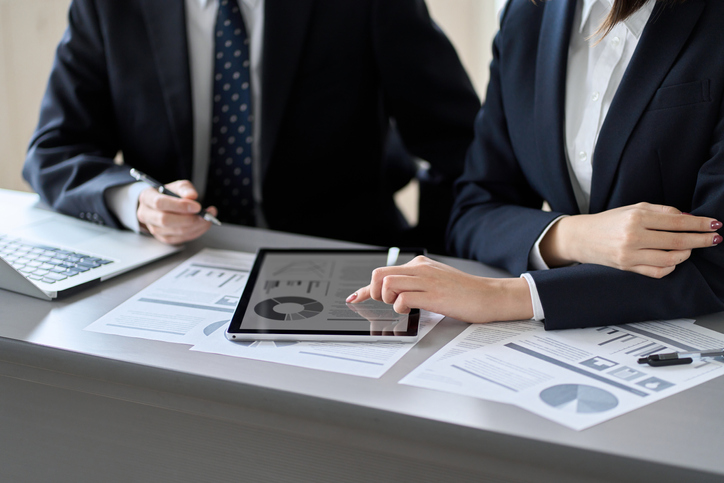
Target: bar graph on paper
637, 345
232, 280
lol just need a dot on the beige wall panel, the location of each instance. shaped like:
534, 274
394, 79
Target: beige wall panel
29, 33
5, 166
470, 25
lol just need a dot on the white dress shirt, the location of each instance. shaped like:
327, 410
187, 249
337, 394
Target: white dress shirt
200, 23
595, 69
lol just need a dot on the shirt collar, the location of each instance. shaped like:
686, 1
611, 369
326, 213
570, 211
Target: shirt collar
635, 23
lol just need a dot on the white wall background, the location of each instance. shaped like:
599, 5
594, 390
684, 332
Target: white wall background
30, 30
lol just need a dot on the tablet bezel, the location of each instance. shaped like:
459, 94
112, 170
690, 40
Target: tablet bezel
236, 333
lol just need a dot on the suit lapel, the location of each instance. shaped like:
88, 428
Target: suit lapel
661, 42
285, 26
166, 27
550, 96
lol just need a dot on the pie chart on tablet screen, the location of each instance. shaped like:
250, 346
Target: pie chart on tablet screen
289, 308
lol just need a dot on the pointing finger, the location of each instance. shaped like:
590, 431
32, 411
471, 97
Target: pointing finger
359, 296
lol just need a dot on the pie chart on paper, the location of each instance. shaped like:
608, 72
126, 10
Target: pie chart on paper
579, 398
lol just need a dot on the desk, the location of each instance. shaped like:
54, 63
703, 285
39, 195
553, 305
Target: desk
82, 406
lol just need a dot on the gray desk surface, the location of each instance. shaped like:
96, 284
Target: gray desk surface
62, 377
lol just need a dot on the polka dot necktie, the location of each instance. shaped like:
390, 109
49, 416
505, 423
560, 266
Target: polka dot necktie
229, 185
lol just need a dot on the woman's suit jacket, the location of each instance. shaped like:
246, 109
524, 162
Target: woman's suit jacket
661, 142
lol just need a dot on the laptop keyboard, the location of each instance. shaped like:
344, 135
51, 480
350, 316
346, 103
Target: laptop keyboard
45, 263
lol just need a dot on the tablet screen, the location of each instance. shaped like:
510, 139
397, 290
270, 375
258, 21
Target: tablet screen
300, 294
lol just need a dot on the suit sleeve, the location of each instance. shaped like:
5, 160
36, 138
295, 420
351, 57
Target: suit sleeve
70, 157
496, 219
425, 87
609, 296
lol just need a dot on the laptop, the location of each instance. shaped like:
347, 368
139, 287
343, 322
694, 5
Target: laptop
45, 254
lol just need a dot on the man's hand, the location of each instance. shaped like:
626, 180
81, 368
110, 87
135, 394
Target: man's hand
173, 220
643, 238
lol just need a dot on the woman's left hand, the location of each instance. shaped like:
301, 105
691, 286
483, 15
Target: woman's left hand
429, 285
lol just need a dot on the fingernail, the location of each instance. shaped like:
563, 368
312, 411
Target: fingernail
192, 209
717, 240
354, 295
715, 225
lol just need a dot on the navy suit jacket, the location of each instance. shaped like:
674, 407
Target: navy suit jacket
662, 142
334, 73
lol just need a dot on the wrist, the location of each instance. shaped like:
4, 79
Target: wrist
510, 299
557, 247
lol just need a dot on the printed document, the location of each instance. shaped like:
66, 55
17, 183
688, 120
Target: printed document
579, 377
367, 359
194, 299
193, 304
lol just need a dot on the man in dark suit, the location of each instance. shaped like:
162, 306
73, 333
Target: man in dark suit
327, 77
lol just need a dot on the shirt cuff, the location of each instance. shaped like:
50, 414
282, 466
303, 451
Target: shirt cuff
123, 202
535, 259
538, 313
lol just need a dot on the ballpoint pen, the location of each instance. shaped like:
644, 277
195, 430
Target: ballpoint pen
165, 191
676, 358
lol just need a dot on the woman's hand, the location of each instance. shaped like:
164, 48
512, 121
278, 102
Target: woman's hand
173, 220
429, 285
643, 238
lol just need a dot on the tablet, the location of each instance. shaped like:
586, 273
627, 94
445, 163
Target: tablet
299, 294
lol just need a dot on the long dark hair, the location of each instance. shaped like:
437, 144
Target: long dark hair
623, 9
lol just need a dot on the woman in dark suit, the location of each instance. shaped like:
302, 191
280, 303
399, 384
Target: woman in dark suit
614, 116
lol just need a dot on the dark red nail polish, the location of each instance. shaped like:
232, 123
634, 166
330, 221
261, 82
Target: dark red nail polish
715, 225
717, 240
